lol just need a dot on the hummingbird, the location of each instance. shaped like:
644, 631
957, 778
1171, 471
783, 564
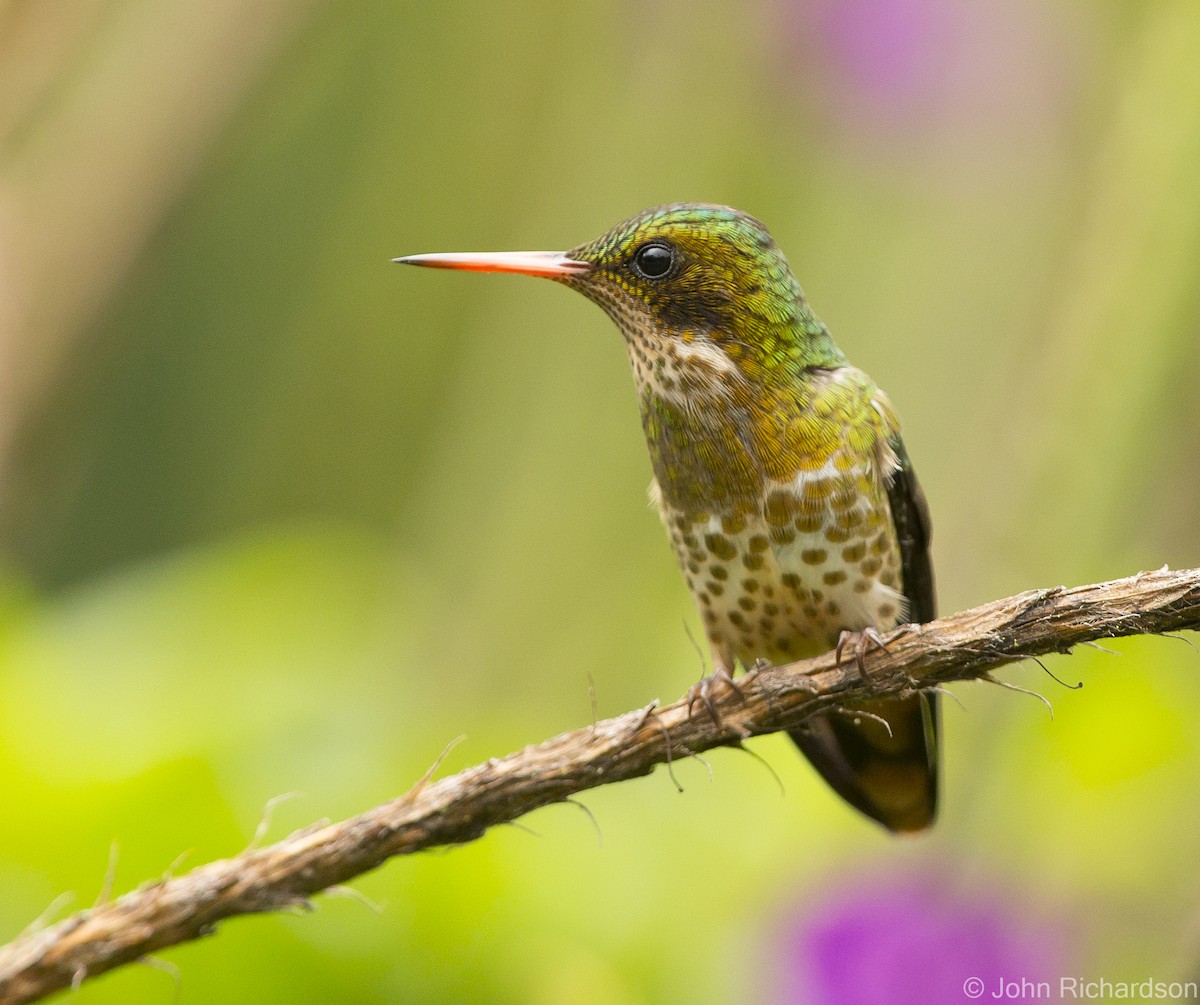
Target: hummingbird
779, 474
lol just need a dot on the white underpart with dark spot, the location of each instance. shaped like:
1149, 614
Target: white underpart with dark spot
778, 593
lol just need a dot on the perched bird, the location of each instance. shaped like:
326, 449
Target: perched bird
779, 473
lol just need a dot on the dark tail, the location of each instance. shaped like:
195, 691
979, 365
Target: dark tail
891, 778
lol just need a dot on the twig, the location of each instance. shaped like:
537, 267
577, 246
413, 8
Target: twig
462, 807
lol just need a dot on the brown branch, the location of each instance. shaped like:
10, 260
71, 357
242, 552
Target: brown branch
460, 808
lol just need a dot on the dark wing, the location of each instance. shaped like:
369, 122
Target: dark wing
910, 514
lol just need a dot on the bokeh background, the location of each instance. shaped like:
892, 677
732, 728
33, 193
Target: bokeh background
278, 516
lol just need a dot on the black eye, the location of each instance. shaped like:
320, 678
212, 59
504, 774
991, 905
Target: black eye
653, 261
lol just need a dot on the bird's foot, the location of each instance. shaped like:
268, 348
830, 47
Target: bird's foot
703, 690
756, 668
908, 628
859, 643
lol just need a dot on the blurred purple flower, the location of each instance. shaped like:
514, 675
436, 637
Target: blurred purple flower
892, 50
910, 945
910, 68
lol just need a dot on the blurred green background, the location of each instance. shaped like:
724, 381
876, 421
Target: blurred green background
280, 517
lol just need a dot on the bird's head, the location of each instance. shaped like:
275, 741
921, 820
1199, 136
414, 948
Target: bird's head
690, 283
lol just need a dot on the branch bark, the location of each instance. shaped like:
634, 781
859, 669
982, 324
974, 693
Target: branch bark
462, 807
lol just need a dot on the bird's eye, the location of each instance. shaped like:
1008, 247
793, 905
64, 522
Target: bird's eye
654, 260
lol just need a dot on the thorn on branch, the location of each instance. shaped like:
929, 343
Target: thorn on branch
591, 816
763, 761
110, 875
666, 733
425, 779
1054, 677
937, 689
854, 714
42, 921
1009, 686
164, 967
1181, 638
264, 821
353, 893
518, 825
705, 762
644, 717
173, 868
